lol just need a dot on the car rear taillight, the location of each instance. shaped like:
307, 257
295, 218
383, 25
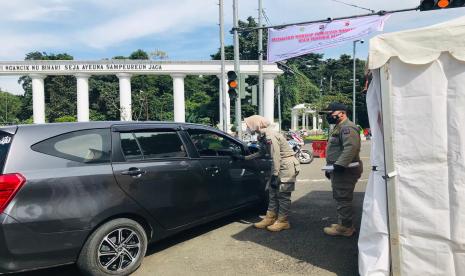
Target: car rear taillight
9, 186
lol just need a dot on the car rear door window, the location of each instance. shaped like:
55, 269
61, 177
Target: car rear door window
210, 143
130, 147
152, 145
85, 146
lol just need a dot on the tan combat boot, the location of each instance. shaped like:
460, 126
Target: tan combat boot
339, 230
268, 220
281, 224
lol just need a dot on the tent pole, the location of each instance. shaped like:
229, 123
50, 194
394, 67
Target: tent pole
389, 170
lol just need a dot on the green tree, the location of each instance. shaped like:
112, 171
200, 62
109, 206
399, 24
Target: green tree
10, 107
139, 54
333, 77
296, 88
66, 118
60, 91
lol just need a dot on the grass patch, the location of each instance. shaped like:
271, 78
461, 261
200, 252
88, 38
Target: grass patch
316, 137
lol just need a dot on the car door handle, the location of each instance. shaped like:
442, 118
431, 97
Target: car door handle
134, 172
213, 170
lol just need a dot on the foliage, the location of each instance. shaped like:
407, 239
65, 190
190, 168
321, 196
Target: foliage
325, 100
158, 55
66, 118
139, 54
296, 88
10, 107
60, 91
316, 137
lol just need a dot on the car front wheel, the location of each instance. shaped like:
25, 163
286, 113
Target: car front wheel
115, 248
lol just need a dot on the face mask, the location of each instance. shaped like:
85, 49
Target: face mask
332, 119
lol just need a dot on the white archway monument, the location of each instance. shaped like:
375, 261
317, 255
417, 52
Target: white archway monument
304, 110
38, 70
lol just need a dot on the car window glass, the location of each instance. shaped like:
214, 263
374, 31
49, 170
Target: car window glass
163, 144
129, 146
5, 142
211, 144
86, 146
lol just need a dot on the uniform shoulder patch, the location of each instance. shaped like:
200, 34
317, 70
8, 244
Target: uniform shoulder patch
346, 131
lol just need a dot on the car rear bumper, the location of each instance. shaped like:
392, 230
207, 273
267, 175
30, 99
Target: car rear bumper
22, 249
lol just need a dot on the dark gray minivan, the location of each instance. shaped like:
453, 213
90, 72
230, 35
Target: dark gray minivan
98, 193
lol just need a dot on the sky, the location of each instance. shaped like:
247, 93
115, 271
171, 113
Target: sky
184, 29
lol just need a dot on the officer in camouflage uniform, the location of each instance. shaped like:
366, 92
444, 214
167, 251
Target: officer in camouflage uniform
285, 170
343, 153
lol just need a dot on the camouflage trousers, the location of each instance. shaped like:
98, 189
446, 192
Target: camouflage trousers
280, 201
343, 185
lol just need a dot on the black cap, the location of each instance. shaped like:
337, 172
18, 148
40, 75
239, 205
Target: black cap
334, 106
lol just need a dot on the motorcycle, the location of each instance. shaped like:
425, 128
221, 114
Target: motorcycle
296, 142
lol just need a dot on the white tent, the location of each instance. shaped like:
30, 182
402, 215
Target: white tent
413, 219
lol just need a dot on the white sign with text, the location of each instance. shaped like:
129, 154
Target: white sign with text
299, 40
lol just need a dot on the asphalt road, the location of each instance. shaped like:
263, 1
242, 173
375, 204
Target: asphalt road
231, 246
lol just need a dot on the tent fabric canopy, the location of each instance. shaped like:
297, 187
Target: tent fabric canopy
419, 46
415, 106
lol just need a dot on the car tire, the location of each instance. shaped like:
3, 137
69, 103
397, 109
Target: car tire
305, 157
115, 248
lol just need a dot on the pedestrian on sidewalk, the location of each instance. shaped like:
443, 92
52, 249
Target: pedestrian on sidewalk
285, 170
343, 154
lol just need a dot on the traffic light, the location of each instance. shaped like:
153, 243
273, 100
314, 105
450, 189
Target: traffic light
232, 84
427, 5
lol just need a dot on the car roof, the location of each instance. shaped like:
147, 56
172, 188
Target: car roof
42, 131
99, 124
31, 134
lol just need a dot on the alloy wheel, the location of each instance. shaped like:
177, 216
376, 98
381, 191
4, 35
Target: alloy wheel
119, 249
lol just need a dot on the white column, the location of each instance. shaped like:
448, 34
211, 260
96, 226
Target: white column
303, 120
268, 99
82, 97
38, 98
292, 120
125, 96
315, 125
221, 102
228, 102
178, 96
295, 121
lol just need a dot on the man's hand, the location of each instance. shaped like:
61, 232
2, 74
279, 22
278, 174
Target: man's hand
238, 157
328, 174
339, 168
274, 183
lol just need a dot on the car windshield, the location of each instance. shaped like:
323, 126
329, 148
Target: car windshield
5, 141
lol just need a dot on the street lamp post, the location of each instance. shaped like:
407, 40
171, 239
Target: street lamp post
354, 80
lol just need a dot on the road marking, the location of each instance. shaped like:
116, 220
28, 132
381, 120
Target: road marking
321, 180
311, 180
